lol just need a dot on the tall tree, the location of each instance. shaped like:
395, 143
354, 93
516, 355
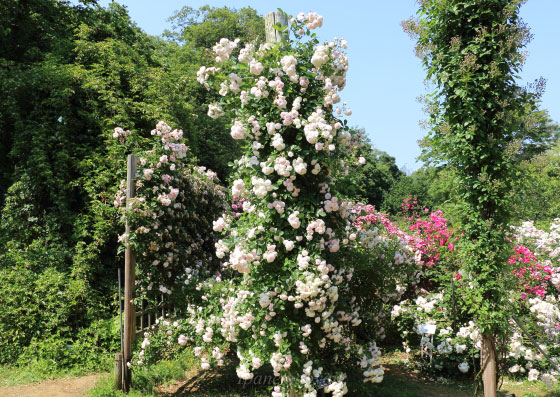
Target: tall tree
536, 133
537, 193
70, 74
471, 52
202, 28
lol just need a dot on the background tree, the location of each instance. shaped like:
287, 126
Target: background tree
537, 192
368, 182
429, 185
70, 74
536, 131
194, 32
204, 27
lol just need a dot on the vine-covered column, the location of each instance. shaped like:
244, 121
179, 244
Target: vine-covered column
471, 50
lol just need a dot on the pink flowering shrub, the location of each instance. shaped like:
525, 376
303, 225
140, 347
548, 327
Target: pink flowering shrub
533, 277
428, 316
541, 250
385, 267
437, 327
171, 218
409, 206
536, 272
429, 237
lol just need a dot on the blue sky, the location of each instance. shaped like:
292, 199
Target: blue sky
385, 77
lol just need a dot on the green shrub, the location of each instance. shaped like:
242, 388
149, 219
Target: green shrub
89, 350
19, 312
38, 306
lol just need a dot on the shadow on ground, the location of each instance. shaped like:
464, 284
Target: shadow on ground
399, 381
222, 382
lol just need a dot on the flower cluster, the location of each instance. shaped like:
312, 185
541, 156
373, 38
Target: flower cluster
433, 234
536, 262
444, 346
171, 231
120, 134
534, 277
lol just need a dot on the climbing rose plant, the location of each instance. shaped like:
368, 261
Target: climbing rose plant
170, 217
288, 302
283, 296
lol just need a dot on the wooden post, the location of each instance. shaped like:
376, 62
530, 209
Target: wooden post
488, 363
142, 315
118, 371
271, 19
129, 280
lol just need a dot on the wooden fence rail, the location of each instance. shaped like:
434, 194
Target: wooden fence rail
149, 313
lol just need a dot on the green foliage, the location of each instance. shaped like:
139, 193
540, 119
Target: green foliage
70, 74
28, 30
205, 27
43, 315
537, 133
537, 194
59, 236
35, 305
369, 182
471, 51
431, 186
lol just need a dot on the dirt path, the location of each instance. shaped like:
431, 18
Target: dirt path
65, 387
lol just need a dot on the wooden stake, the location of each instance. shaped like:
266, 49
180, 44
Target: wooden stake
271, 19
488, 363
119, 356
129, 280
118, 371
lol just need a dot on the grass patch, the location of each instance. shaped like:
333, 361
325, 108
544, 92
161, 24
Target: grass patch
38, 371
106, 388
403, 381
145, 380
528, 389
33, 373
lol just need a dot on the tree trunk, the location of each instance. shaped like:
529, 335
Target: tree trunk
488, 363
